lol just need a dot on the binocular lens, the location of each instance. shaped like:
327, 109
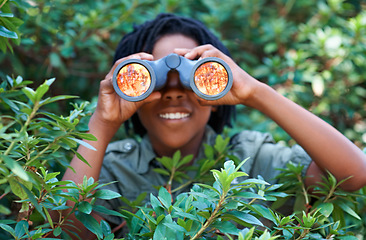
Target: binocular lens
133, 79
211, 78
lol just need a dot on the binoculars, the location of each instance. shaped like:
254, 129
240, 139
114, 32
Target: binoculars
134, 79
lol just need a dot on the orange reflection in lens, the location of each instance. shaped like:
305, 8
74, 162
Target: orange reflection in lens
211, 78
133, 79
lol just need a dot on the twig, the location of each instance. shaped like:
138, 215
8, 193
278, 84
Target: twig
3, 3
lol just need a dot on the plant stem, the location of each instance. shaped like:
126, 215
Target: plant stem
170, 182
211, 218
303, 189
3, 3
35, 109
3, 195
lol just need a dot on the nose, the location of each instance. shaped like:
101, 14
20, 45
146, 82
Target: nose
173, 90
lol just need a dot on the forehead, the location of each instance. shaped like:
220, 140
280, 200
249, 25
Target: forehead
166, 44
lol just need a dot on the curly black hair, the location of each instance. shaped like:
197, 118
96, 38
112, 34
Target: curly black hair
143, 39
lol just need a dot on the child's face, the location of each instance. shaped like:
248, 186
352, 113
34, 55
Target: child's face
177, 120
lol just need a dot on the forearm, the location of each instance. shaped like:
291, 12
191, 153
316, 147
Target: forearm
328, 148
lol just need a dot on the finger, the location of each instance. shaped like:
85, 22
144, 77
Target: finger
141, 56
198, 51
182, 51
106, 86
211, 53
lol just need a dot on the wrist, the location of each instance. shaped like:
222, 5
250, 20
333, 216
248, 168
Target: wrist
102, 129
258, 96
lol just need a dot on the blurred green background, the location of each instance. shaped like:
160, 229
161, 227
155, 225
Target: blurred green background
311, 51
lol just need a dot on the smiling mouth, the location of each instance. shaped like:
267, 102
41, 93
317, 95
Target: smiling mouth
174, 116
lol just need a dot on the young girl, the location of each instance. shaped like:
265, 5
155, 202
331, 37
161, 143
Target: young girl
174, 118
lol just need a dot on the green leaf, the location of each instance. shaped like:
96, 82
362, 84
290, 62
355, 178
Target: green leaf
104, 210
106, 229
243, 216
348, 237
209, 151
16, 188
248, 233
15, 168
57, 231
90, 223
85, 144
226, 227
10, 103
254, 181
8, 229
34, 201
55, 60
206, 215
40, 91
106, 194
2, 14
30, 93
208, 186
249, 195
165, 197
85, 207
185, 160
187, 215
21, 228
4, 210
85, 136
349, 210
4, 32
326, 209
81, 157
221, 143
161, 171
176, 158
167, 162
55, 99
49, 219
265, 212
175, 227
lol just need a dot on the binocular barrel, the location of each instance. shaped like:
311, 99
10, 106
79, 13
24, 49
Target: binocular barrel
135, 79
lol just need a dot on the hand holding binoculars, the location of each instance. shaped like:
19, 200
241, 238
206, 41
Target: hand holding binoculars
210, 78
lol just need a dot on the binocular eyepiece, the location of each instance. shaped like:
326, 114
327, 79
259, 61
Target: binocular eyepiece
210, 78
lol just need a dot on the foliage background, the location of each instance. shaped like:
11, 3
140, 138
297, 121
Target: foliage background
314, 52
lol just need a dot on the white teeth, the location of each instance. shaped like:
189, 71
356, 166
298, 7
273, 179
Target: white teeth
177, 115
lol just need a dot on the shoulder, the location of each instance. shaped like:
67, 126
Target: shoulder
124, 146
129, 153
121, 154
251, 139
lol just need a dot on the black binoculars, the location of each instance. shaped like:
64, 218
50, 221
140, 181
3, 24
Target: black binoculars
210, 78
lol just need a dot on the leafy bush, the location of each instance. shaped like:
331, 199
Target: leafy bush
32, 143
